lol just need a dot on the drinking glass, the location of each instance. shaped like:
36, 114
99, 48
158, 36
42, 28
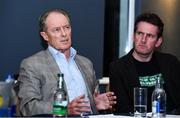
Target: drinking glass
85, 114
140, 102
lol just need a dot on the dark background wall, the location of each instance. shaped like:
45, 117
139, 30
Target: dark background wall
111, 34
19, 30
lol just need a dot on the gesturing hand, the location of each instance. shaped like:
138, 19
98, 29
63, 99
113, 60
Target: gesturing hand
78, 106
105, 101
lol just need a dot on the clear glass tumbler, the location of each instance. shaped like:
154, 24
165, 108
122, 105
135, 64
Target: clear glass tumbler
140, 102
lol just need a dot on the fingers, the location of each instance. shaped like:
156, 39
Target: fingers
105, 101
112, 99
79, 105
108, 94
111, 95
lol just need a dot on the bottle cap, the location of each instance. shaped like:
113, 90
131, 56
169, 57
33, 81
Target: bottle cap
9, 79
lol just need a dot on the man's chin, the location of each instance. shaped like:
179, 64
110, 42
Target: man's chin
143, 52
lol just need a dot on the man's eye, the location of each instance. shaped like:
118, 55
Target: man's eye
151, 36
67, 27
57, 29
139, 33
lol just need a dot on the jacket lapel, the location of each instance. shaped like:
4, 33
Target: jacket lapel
88, 83
53, 67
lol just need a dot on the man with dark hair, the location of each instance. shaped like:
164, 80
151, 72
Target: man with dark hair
38, 73
143, 64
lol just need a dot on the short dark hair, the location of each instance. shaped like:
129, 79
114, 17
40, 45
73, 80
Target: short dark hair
42, 20
151, 18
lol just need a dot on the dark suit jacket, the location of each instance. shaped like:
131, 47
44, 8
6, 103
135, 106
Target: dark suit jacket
38, 81
124, 77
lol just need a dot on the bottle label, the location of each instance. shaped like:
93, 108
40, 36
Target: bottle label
158, 107
60, 108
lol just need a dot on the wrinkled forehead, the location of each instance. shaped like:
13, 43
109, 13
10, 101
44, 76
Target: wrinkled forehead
147, 27
56, 16
56, 19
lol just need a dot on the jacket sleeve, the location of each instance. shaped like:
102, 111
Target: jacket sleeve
119, 84
173, 82
31, 101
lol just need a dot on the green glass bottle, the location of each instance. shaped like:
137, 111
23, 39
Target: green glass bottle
60, 98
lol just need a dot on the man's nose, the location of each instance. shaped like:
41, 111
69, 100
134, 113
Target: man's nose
144, 38
63, 32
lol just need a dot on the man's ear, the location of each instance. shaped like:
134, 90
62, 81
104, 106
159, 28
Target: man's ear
44, 35
159, 42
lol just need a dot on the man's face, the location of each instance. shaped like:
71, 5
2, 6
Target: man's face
146, 38
58, 31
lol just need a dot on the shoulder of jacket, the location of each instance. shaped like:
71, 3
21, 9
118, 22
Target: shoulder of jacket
83, 58
164, 55
38, 55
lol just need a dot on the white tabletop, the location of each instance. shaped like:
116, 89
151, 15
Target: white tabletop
120, 116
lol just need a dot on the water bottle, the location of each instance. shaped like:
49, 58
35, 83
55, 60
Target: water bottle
12, 101
159, 100
60, 98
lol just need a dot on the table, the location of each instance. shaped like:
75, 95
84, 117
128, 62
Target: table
122, 116
97, 116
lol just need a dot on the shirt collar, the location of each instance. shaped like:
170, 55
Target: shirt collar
55, 52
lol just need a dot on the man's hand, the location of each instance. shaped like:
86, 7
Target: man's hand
105, 101
79, 105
